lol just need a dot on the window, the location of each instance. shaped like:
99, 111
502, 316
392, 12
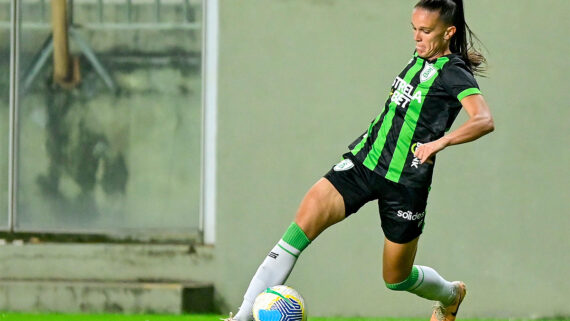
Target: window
109, 125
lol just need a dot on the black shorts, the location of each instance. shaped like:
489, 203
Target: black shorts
402, 208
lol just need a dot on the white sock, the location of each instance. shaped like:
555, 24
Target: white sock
274, 270
430, 285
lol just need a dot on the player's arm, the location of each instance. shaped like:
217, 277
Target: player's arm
480, 123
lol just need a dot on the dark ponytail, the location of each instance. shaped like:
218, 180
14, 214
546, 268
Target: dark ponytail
452, 13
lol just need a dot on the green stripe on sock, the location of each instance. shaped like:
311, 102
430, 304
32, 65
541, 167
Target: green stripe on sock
421, 281
284, 249
407, 283
295, 237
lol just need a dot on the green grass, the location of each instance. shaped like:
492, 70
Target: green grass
116, 317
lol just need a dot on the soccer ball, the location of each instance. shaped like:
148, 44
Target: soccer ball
279, 303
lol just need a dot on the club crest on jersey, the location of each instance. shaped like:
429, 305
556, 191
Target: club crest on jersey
428, 72
344, 165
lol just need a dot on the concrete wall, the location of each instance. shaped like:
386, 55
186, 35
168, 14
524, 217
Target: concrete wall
299, 80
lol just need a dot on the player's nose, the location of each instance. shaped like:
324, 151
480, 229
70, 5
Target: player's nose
417, 37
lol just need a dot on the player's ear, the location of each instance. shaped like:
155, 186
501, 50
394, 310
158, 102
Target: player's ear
449, 32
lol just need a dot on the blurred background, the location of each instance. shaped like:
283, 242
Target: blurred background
128, 188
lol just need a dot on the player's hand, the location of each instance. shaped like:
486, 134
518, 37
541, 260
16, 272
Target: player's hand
425, 152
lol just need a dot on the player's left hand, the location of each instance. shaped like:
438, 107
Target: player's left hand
426, 151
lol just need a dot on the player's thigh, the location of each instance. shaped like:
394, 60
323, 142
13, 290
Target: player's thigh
342, 191
402, 212
321, 207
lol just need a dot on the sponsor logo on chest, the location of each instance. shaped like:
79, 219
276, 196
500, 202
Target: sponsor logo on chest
403, 93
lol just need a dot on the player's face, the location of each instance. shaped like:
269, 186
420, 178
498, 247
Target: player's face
431, 34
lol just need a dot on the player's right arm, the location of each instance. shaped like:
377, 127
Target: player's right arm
480, 123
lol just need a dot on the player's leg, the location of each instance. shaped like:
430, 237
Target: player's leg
398, 260
403, 213
401, 274
321, 207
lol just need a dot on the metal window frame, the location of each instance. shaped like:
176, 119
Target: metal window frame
207, 215
15, 13
210, 50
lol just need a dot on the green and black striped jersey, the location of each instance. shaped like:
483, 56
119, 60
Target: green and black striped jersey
423, 103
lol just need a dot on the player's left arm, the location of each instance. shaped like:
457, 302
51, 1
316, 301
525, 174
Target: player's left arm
480, 123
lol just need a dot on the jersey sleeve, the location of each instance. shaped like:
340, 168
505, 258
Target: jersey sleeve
459, 82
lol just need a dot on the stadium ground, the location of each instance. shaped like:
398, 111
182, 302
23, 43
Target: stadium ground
115, 317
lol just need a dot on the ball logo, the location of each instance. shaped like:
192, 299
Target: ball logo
279, 303
344, 165
283, 310
428, 72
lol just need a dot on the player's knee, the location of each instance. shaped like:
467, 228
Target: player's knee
315, 207
395, 286
396, 282
319, 209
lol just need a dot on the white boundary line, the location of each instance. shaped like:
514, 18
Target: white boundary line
210, 119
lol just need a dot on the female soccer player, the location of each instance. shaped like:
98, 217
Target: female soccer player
393, 161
